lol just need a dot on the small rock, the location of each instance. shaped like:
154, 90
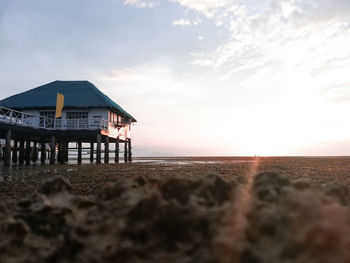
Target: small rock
301, 185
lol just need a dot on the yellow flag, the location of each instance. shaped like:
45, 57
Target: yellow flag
59, 105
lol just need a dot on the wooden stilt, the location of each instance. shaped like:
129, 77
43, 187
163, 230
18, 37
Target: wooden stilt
66, 151
79, 152
35, 152
53, 150
91, 152
27, 152
15, 152
59, 153
130, 153
21, 152
125, 151
8, 148
1, 155
62, 153
98, 148
116, 158
107, 150
43, 152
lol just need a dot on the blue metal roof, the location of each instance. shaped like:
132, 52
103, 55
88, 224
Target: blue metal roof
77, 94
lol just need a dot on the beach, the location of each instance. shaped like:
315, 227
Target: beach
86, 179
190, 209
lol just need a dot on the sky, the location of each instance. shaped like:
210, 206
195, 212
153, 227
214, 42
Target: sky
202, 77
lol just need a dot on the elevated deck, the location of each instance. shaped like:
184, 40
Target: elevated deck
20, 126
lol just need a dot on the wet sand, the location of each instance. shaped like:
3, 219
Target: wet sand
214, 209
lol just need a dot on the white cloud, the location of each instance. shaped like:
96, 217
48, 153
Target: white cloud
285, 38
182, 22
185, 22
140, 3
207, 7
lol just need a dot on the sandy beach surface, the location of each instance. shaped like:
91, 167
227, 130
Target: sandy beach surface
242, 209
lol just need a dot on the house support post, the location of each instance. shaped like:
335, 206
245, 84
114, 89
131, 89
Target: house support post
125, 151
43, 152
27, 152
98, 148
35, 152
91, 152
66, 148
79, 152
106, 149
62, 152
130, 153
1, 155
15, 151
53, 150
21, 152
116, 158
8, 148
59, 152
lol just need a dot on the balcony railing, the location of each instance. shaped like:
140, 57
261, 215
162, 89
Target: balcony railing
40, 122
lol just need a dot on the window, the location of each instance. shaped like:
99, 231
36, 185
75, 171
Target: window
48, 114
77, 115
77, 120
47, 120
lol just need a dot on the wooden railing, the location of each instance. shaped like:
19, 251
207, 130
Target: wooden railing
40, 122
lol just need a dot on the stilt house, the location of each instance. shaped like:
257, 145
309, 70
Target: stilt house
88, 115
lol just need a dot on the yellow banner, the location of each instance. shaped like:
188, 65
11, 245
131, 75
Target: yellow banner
59, 105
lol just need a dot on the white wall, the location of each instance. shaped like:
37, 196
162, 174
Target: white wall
103, 113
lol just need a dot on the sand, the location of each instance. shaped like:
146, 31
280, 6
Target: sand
178, 210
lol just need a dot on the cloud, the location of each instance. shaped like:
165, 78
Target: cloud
337, 93
140, 3
300, 42
184, 22
206, 7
